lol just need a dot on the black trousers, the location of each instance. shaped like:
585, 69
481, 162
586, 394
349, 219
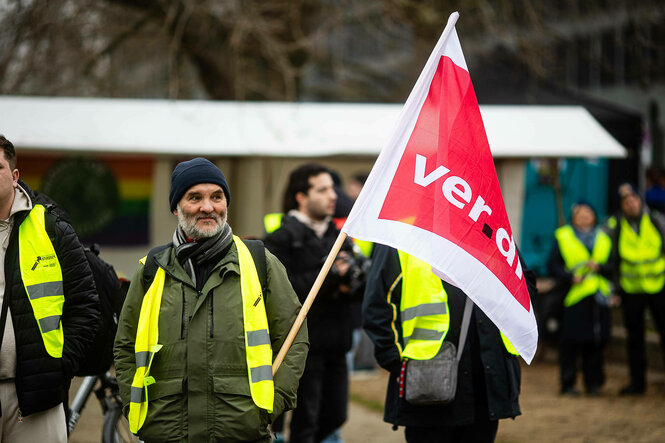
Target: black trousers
634, 307
478, 432
323, 395
592, 363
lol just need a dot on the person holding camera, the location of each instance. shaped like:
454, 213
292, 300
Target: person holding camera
302, 243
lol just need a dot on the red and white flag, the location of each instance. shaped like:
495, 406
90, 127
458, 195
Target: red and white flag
434, 193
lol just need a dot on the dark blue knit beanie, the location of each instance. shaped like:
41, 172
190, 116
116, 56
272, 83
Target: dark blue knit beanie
192, 172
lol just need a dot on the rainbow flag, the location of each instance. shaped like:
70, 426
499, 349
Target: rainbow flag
107, 198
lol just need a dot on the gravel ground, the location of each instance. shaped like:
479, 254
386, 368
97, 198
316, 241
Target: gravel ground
546, 416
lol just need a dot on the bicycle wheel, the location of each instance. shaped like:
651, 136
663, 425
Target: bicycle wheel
116, 427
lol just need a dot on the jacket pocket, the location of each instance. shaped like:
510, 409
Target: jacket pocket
166, 412
237, 418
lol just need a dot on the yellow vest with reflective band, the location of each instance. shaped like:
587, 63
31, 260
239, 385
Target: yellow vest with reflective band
575, 255
424, 310
642, 267
258, 349
42, 279
145, 347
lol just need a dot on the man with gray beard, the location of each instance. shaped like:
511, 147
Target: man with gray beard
203, 317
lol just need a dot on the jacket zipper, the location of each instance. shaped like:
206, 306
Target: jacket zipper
182, 326
198, 294
212, 324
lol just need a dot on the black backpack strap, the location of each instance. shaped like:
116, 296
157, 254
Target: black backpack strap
150, 267
258, 252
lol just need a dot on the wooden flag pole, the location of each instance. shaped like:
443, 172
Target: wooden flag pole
308, 301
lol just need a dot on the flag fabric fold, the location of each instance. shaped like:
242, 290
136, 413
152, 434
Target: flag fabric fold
434, 193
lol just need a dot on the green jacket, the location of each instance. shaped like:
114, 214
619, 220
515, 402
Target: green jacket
201, 391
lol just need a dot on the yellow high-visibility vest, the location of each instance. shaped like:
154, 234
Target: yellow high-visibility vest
642, 267
575, 255
508, 345
272, 221
366, 247
258, 348
424, 310
42, 279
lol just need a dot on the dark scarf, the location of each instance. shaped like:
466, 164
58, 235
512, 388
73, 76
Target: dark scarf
588, 238
199, 257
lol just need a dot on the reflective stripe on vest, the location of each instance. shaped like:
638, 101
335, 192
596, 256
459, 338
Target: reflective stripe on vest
575, 256
424, 309
42, 279
642, 267
258, 349
145, 347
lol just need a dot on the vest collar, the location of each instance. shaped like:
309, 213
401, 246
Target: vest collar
167, 260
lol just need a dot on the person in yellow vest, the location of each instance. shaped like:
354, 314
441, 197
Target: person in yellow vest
50, 309
580, 250
409, 313
638, 268
203, 320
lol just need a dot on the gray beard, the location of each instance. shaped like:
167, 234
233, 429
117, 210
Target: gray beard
192, 231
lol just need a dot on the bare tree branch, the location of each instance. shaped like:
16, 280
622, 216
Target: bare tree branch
297, 49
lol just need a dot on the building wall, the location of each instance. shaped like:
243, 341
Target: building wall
256, 183
579, 179
511, 174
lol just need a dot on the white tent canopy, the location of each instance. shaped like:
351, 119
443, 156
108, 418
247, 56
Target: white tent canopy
149, 126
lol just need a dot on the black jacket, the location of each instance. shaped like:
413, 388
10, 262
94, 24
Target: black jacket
488, 382
42, 381
303, 253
